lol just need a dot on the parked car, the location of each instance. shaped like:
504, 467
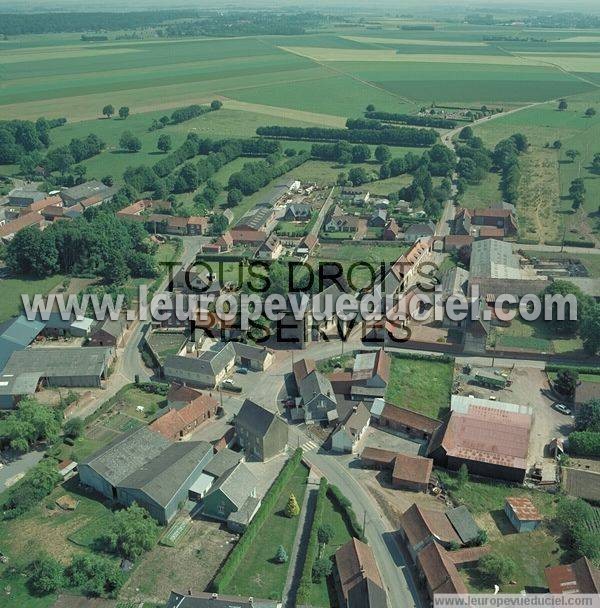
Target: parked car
563, 409
243, 371
228, 381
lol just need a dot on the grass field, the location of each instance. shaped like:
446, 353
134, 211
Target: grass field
423, 386
259, 575
12, 289
536, 336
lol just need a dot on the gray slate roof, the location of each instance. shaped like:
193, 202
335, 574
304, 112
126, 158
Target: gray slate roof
464, 524
222, 461
209, 362
249, 351
52, 362
313, 385
494, 259
122, 457
237, 484
254, 417
161, 477
205, 600
86, 190
16, 334
113, 328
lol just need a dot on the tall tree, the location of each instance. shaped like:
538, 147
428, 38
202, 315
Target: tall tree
123, 112
108, 110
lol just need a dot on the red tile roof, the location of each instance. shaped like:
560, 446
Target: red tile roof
421, 524
355, 563
579, 577
440, 572
523, 508
175, 421
489, 232
243, 236
42, 204
381, 457
409, 418
24, 221
302, 368
181, 392
415, 469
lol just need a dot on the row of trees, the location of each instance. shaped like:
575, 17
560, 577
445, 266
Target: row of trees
391, 136
109, 110
410, 119
256, 175
97, 244
342, 152
476, 161
189, 112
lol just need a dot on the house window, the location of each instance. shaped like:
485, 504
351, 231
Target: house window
221, 509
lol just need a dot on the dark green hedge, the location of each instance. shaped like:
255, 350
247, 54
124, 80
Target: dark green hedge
303, 594
575, 368
422, 357
345, 505
268, 503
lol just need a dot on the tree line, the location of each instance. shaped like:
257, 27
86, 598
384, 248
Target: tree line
161, 179
476, 161
410, 119
391, 136
256, 175
14, 24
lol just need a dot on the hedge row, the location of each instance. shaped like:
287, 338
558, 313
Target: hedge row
393, 136
268, 503
355, 528
584, 443
304, 588
575, 368
409, 119
423, 357
572, 243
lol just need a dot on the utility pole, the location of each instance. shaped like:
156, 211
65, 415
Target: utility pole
365, 524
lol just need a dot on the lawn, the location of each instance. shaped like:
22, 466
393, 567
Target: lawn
536, 336
423, 386
259, 575
481, 196
13, 288
323, 594
531, 551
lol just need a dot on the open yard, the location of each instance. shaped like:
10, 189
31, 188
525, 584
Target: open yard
423, 386
190, 565
259, 575
534, 336
531, 551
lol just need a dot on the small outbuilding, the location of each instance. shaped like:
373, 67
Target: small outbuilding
522, 513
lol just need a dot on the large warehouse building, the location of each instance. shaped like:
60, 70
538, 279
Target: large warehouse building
491, 438
69, 367
148, 469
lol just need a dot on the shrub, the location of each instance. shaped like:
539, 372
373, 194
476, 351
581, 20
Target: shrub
31, 489
73, 428
95, 575
497, 568
292, 509
281, 557
321, 569
45, 576
584, 443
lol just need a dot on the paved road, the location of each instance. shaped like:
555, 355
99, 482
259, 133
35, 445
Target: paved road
316, 229
397, 579
14, 470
